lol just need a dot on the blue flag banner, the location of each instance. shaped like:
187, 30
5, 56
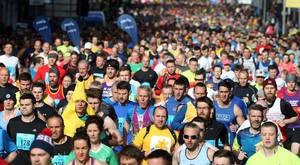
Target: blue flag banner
70, 26
128, 24
42, 26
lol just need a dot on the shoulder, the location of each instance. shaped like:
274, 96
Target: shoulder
15, 120
39, 122
255, 158
107, 149
97, 162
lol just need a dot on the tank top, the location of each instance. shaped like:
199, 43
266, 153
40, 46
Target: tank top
56, 96
294, 100
274, 114
92, 161
200, 159
106, 90
226, 116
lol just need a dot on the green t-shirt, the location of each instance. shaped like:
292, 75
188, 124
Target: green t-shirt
104, 154
135, 67
66, 50
281, 157
189, 75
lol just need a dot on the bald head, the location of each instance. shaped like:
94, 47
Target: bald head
4, 75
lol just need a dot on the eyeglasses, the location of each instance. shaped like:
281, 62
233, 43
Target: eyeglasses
193, 137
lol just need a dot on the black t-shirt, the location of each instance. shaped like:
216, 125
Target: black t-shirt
23, 134
150, 76
98, 72
247, 91
16, 125
46, 110
64, 149
216, 132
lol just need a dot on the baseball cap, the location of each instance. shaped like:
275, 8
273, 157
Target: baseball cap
260, 73
112, 63
270, 81
88, 45
10, 96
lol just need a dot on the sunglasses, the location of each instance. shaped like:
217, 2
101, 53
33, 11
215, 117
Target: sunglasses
193, 137
199, 79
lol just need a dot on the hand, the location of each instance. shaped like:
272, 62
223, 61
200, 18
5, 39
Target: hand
233, 127
242, 155
281, 123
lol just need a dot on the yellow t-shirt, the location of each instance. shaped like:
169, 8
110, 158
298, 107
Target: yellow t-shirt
155, 139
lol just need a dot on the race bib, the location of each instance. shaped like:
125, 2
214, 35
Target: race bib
24, 141
56, 102
121, 121
59, 159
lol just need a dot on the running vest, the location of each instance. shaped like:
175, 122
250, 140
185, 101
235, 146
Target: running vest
106, 90
56, 96
274, 114
200, 159
226, 116
294, 100
140, 120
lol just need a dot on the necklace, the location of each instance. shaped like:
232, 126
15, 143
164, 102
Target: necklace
193, 154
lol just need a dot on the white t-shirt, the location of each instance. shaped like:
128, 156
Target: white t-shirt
159, 68
11, 63
230, 74
204, 63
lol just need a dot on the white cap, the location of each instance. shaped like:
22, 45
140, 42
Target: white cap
88, 45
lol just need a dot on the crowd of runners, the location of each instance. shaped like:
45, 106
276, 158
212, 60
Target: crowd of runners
206, 84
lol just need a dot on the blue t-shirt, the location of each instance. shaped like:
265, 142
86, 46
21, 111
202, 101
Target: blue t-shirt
107, 100
247, 141
3, 124
121, 111
172, 106
6, 144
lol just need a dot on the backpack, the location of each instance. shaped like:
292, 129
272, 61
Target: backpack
253, 60
171, 131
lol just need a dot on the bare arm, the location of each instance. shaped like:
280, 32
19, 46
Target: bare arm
239, 115
109, 123
11, 157
175, 159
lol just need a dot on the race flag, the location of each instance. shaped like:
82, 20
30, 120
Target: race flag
128, 24
70, 26
42, 26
